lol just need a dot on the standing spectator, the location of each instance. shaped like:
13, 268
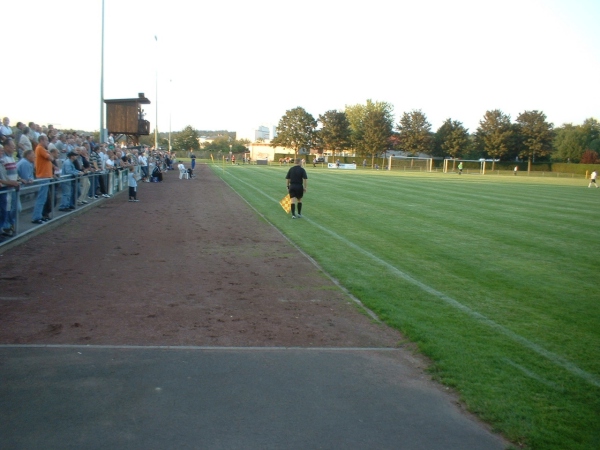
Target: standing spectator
85, 180
460, 168
24, 143
296, 184
193, 158
38, 131
96, 162
515, 170
143, 161
25, 167
52, 141
43, 172
12, 199
69, 188
18, 134
90, 140
4, 181
61, 145
132, 183
5, 129
593, 179
33, 134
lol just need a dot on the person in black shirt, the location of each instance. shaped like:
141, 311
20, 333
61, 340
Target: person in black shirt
296, 184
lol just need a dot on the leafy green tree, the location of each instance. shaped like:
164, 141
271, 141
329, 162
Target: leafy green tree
451, 139
494, 134
296, 130
186, 140
591, 128
569, 143
415, 133
224, 144
334, 134
572, 141
373, 114
536, 134
376, 134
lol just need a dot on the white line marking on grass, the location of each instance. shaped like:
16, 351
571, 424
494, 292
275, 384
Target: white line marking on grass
315, 263
531, 374
553, 357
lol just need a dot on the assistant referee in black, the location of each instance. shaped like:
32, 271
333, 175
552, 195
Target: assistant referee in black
296, 184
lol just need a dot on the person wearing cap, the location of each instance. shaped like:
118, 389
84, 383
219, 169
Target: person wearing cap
69, 188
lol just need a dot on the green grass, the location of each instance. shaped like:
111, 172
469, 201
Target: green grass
495, 278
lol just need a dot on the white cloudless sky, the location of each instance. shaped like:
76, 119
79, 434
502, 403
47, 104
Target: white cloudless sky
238, 64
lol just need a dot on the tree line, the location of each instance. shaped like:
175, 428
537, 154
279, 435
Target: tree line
188, 140
369, 131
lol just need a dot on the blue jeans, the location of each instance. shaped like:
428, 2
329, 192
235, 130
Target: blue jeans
41, 199
11, 215
3, 214
66, 201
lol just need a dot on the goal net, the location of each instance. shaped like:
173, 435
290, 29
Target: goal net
408, 163
470, 166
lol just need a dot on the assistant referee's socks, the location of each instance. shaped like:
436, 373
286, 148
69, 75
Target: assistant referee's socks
299, 208
294, 209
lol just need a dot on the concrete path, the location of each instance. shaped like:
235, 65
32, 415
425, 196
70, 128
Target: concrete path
118, 397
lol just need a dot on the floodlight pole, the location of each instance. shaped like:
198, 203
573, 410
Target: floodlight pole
156, 96
102, 80
170, 111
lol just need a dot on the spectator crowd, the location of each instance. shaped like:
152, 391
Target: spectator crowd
40, 154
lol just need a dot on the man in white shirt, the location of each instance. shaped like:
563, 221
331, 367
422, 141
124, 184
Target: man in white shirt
144, 166
593, 179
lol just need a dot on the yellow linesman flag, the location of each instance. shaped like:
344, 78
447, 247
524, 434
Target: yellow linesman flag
286, 203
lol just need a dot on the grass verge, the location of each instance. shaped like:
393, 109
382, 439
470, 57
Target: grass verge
493, 277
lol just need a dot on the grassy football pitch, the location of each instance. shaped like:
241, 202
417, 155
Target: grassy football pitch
495, 278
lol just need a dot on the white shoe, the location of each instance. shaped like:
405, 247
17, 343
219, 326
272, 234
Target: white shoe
299, 216
293, 217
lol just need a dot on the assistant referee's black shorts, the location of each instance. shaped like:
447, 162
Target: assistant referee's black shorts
296, 191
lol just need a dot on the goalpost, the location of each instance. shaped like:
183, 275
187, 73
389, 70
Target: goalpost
410, 163
456, 162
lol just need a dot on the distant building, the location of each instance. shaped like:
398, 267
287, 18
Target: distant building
259, 134
262, 134
260, 150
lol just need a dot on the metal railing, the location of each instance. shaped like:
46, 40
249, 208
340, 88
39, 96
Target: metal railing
63, 189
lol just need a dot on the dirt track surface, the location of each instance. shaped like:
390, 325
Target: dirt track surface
190, 264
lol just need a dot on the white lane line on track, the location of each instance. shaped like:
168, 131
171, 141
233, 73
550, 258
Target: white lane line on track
551, 356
